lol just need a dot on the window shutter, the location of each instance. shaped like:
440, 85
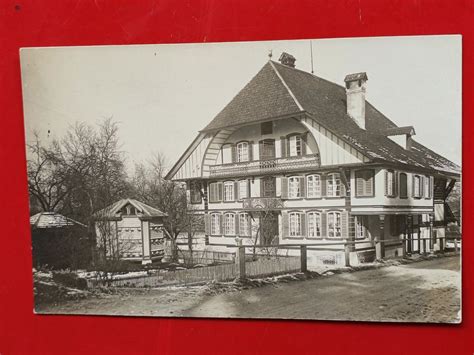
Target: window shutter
302, 187
303, 224
248, 189
395, 184
236, 191
262, 187
386, 183
323, 185
234, 153
304, 143
285, 225
343, 189
422, 185
324, 224
283, 147
345, 224
359, 184
431, 187
220, 193
221, 224
369, 183
250, 151
207, 224
284, 188
237, 224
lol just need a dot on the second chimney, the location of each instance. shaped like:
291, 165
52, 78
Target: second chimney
355, 92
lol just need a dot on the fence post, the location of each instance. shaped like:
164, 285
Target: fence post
241, 262
424, 247
404, 247
347, 254
455, 245
304, 258
441, 244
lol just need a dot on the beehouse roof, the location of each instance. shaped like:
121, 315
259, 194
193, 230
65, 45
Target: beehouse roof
52, 220
145, 210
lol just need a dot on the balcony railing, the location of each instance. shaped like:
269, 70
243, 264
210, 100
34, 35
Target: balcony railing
266, 166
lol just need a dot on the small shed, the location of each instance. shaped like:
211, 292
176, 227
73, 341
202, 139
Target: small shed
130, 230
58, 241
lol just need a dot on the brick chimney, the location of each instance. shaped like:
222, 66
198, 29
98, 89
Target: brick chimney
355, 92
287, 59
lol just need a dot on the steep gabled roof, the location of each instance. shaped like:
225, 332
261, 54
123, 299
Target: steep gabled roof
279, 90
45, 220
145, 210
264, 97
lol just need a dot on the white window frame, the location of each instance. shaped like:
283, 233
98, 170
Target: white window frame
314, 224
333, 185
229, 192
294, 188
334, 224
229, 224
244, 224
215, 224
294, 220
243, 187
427, 187
242, 151
417, 186
313, 186
295, 145
360, 227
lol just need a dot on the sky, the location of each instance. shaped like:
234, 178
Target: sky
162, 95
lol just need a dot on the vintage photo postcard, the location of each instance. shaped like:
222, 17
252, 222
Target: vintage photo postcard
308, 179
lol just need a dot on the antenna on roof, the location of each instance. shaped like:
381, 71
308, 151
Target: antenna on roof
270, 54
311, 50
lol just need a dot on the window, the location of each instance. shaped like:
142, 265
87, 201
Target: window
390, 183
267, 149
268, 186
295, 144
226, 153
229, 224
215, 192
364, 183
295, 224
229, 191
333, 185
314, 224
403, 185
361, 226
334, 225
416, 186
266, 128
427, 187
294, 188
313, 183
242, 151
215, 224
244, 224
195, 192
243, 189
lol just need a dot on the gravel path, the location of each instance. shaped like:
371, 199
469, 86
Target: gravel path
426, 291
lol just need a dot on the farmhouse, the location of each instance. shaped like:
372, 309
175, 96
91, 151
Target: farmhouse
295, 159
130, 230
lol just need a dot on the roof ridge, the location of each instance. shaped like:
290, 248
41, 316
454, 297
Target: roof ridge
286, 86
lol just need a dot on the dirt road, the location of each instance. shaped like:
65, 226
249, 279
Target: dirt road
418, 292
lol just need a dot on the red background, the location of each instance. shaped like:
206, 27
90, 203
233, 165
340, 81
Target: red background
63, 23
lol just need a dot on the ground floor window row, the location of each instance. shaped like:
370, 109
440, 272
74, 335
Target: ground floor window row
229, 224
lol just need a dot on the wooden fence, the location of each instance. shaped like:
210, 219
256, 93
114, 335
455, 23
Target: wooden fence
225, 272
